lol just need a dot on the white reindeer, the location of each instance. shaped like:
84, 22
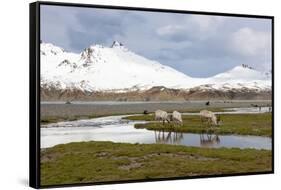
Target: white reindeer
176, 117
162, 116
210, 116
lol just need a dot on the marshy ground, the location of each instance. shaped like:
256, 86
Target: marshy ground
106, 161
240, 124
100, 161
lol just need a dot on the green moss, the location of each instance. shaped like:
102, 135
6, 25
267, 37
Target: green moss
242, 124
105, 161
52, 119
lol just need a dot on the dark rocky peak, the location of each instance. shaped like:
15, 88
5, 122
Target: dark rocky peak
117, 44
87, 54
247, 66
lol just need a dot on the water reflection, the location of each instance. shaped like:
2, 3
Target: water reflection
162, 137
206, 139
209, 140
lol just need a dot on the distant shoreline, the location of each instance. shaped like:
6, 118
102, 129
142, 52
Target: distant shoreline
145, 102
155, 94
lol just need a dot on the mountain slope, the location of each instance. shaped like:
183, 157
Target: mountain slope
100, 68
240, 78
116, 69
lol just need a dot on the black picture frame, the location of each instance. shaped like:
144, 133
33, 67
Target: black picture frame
34, 89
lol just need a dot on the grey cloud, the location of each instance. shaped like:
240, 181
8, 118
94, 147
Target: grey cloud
197, 46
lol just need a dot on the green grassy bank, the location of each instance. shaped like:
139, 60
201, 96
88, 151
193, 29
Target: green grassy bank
106, 161
242, 124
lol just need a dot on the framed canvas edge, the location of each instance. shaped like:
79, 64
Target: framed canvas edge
34, 91
34, 95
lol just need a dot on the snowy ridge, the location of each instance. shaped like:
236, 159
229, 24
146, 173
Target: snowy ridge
117, 69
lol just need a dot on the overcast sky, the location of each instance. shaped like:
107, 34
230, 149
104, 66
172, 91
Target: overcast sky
198, 45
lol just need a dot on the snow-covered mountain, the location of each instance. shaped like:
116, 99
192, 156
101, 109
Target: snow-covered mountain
117, 69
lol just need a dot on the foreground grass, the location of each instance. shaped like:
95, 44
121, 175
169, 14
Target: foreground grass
242, 124
106, 161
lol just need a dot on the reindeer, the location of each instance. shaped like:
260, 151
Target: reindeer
176, 117
209, 116
162, 116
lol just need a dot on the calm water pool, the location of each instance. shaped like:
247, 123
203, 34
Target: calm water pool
116, 129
